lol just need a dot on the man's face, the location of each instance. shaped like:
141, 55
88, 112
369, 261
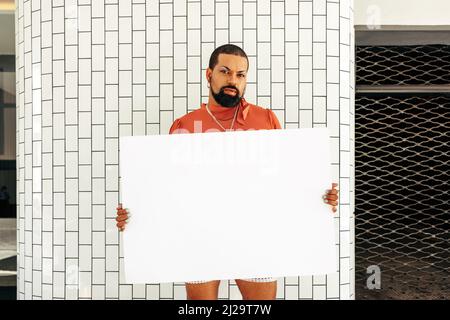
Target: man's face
228, 79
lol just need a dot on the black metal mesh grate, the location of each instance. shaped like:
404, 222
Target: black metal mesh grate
402, 195
397, 65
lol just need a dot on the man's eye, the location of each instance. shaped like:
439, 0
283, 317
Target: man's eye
242, 75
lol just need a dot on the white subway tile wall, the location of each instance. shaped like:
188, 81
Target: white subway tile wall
89, 72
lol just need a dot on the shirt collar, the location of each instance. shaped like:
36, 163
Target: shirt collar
224, 113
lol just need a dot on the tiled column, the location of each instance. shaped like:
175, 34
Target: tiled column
89, 72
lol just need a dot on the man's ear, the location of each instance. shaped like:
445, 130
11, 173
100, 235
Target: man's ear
208, 74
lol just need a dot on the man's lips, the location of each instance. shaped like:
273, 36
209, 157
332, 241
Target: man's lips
230, 91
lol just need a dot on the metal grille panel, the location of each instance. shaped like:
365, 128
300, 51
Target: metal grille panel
400, 65
402, 195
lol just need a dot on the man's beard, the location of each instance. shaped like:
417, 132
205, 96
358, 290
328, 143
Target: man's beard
226, 100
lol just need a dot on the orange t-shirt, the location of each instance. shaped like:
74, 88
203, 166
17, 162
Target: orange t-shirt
249, 117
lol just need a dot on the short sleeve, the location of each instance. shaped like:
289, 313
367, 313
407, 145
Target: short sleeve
274, 123
175, 125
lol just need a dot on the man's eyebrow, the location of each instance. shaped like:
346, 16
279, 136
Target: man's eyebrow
230, 69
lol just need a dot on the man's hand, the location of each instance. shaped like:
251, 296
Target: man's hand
122, 217
331, 196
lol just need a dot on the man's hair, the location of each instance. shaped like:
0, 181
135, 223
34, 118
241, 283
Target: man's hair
226, 49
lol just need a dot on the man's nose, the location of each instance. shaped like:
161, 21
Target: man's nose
232, 79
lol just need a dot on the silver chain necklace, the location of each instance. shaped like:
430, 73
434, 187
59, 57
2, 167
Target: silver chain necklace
214, 118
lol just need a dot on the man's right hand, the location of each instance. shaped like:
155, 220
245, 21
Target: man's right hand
122, 217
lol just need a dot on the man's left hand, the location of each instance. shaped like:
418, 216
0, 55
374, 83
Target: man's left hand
331, 196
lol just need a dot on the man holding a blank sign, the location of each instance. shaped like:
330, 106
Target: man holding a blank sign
227, 110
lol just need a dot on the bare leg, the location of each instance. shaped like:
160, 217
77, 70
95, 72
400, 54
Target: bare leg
203, 291
257, 290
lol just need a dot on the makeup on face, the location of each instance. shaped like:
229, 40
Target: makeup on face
229, 78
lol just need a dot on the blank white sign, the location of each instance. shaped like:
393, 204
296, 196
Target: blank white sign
227, 205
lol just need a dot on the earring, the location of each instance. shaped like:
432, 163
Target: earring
208, 85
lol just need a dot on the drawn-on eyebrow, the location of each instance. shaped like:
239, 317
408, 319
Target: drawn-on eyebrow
242, 71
